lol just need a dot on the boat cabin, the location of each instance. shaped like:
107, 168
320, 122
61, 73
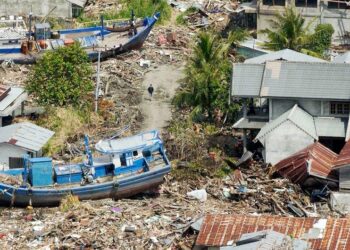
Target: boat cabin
137, 159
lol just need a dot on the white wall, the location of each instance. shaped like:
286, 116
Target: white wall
39, 8
280, 106
8, 150
284, 141
336, 17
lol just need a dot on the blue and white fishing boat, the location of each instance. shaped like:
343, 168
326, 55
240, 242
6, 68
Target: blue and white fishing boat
128, 166
19, 47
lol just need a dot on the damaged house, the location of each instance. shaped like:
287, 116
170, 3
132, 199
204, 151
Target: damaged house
290, 105
11, 103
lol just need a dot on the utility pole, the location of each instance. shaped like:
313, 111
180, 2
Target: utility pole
97, 91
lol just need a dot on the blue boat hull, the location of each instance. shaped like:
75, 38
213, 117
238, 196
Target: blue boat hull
123, 187
133, 43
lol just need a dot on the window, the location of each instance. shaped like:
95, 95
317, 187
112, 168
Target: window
306, 3
338, 4
340, 108
76, 10
274, 2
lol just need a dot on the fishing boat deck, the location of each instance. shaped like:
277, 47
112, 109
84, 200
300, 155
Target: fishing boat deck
110, 41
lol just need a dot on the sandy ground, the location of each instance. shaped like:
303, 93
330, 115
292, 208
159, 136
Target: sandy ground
157, 111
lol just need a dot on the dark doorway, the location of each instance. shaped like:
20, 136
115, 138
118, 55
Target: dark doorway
16, 162
333, 143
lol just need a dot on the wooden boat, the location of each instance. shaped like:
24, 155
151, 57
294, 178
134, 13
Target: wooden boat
93, 40
123, 26
135, 164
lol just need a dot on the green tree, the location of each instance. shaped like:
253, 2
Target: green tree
206, 85
321, 39
61, 77
289, 31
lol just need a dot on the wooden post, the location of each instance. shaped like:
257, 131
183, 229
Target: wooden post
97, 82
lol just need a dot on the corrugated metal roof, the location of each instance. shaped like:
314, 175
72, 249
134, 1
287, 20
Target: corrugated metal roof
12, 100
4, 90
343, 58
25, 135
221, 230
331, 126
246, 79
292, 80
297, 116
285, 55
344, 157
315, 160
306, 80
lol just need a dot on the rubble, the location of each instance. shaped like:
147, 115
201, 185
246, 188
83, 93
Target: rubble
162, 219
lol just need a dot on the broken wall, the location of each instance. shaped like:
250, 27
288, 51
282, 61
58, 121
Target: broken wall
284, 141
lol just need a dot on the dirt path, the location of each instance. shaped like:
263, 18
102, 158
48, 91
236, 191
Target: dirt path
165, 80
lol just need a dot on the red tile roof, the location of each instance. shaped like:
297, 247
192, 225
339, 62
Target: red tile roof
219, 230
4, 90
315, 160
344, 156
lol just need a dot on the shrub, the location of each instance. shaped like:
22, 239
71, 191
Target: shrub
61, 77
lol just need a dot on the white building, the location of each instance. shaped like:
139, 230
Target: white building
298, 103
20, 139
11, 102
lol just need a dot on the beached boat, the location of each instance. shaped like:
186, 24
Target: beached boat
129, 166
17, 47
124, 26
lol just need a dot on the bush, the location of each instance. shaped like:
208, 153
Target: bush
141, 8
321, 40
61, 77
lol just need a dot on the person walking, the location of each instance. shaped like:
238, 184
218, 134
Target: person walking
150, 91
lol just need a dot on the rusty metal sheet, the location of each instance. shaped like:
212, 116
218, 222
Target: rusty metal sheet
344, 157
4, 90
315, 160
223, 230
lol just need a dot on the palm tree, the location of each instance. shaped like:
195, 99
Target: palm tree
289, 31
206, 73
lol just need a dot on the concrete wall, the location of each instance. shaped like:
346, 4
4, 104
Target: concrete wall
284, 141
313, 107
339, 18
8, 150
39, 8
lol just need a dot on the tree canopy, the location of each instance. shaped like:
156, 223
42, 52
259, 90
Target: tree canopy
206, 86
61, 77
290, 31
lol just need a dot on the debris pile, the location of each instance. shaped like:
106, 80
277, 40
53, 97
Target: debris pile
218, 14
93, 8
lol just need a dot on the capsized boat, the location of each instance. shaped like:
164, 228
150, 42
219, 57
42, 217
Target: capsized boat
129, 166
18, 47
